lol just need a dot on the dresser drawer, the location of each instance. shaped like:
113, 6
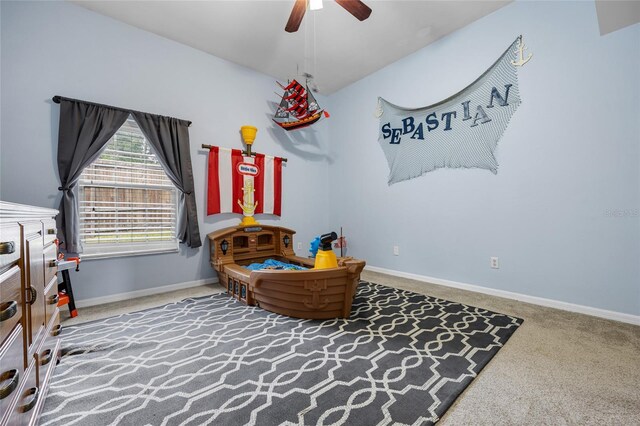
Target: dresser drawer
54, 328
50, 231
27, 398
50, 300
49, 352
10, 244
10, 301
50, 262
11, 369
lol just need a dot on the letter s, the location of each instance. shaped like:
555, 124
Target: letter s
386, 131
432, 121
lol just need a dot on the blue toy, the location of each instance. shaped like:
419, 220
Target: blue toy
274, 264
313, 249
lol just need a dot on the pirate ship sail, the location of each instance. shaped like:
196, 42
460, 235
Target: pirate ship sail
298, 108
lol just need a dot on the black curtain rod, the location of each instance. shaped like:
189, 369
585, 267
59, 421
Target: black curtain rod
253, 154
57, 100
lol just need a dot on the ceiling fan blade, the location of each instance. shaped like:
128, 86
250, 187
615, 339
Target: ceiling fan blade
299, 8
356, 8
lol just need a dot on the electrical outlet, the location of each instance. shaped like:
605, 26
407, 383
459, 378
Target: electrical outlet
299, 246
396, 251
494, 263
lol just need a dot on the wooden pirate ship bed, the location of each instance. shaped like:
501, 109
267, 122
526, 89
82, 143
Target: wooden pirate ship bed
310, 293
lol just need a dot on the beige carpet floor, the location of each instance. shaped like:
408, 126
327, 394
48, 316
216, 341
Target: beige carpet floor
559, 368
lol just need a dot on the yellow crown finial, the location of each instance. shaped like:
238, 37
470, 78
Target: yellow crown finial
248, 134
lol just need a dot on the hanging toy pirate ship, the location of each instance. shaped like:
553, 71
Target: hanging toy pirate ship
298, 108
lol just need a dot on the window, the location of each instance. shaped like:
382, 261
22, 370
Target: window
127, 203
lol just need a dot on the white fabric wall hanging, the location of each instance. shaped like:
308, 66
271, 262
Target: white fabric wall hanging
460, 131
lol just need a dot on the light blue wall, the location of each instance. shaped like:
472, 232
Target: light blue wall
569, 156
56, 48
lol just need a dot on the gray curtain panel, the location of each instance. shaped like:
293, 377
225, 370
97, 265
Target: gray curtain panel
169, 138
85, 129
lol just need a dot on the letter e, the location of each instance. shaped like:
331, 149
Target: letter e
395, 136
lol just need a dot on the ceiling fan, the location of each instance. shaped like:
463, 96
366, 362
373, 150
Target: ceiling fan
355, 7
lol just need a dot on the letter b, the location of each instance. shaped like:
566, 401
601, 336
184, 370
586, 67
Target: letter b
407, 125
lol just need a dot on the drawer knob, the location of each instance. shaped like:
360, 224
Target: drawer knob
31, 398
8, 310
51, 231
8, 382
53, 263
45, 357
53, 300
7, 247
56, 330
32, 295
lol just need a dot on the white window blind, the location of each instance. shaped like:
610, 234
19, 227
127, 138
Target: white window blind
127, 203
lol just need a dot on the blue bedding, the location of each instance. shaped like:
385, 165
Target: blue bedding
275, 264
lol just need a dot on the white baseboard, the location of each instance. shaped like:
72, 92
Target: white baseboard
550, 303
141, 293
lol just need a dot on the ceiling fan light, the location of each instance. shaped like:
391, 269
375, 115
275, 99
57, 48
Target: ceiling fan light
315, 4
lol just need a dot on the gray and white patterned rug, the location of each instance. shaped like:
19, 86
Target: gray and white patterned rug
402, 358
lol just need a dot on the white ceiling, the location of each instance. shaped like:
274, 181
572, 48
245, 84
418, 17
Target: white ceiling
331, 44
615, 14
